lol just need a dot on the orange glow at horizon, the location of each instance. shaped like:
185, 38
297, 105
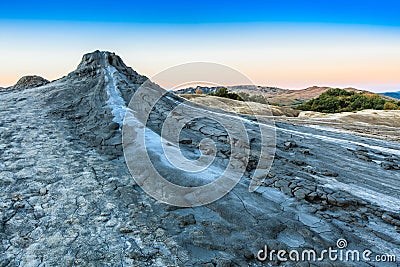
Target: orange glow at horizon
285, 56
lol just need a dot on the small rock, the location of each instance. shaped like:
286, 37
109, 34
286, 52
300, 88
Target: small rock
298, 162
386, 217
389, 166
389, 159
160, 232
105, 213
19, 205
306, 152
281, 183
330, 174
187, 220
363, 157
116, 140
248, 254
309, 169
102, 218
111, 223
150, 252
134, 251
221, 262
113, 126
125, 230
134, 254
81, 201
16, 197
290, 144
39, 212
312, 196
43, 191
301, 193
185, 141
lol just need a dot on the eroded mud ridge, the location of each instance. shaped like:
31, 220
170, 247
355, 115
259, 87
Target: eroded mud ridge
67, 197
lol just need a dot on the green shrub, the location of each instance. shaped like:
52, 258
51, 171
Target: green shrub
390, 106
223, 92
339, 100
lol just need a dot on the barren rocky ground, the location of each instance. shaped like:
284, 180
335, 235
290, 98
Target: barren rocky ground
241, 107
64, 204
379, 124
67, 197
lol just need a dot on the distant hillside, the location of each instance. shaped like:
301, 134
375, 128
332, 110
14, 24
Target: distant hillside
241, 107
30, 82
393, 94
339, 100
26, 82
274, 95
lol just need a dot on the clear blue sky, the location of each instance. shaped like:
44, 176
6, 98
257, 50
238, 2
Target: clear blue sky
370, 12
289, 44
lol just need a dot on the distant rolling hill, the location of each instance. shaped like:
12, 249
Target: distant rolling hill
277, 96
393, 94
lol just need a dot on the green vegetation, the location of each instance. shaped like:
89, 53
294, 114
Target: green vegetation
223, 92
339, 100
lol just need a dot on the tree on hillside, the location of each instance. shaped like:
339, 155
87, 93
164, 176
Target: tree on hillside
223, 92
339, 100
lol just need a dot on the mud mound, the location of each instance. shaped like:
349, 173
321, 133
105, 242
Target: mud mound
30, 82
